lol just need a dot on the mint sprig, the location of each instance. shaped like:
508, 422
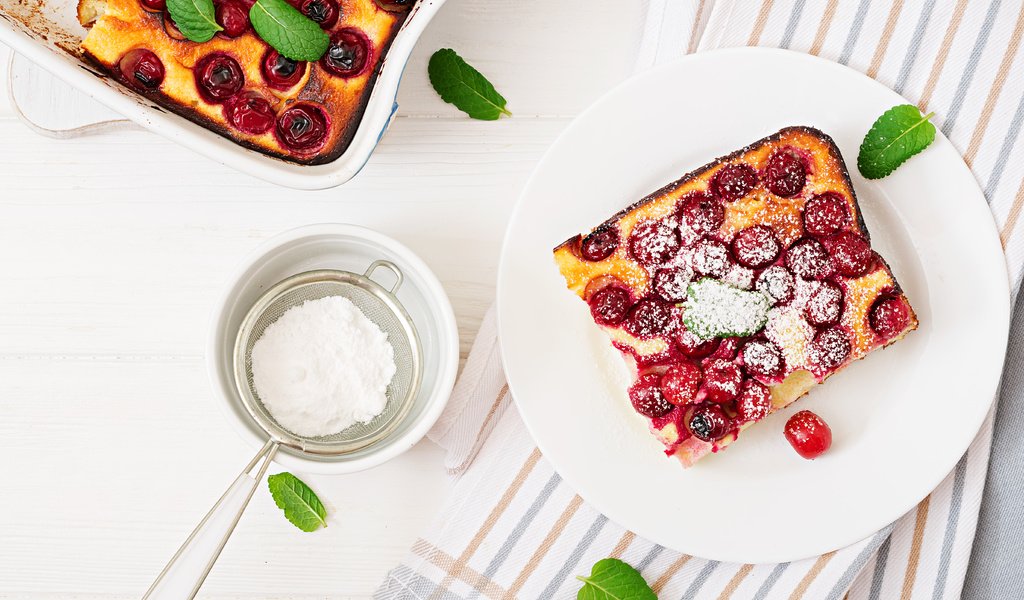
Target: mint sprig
299, 503
460, 84
612, 579
900, 133
288, 31
715, 309
195, 19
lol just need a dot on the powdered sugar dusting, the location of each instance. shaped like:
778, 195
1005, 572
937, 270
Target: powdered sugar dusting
716, 309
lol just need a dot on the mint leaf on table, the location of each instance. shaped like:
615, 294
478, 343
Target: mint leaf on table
901, 132
612, 579
288, 31
299, 503
194, 19
460, 84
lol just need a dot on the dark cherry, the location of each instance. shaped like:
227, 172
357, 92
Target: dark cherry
600, 244
649, 318
671, 282
302, 127
785, 174
249, 113
734, 181
348, 54
851, 254
142, 69
762, 357
777, 283
809, 435
653, 242
395, 6
610, 304
755, 401
702, 212
711, 258
233, 17
829, 349
756, 247
679, 384
825, 305
722, 379
807, 258
889, 316
693, 346
708, 422
826, 214
646, 397
171, 29
218, 77
325, 13
281, 72
154, 5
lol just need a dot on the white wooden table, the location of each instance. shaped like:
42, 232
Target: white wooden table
113, 249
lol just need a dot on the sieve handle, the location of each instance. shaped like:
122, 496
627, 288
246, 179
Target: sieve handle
188, 568
390, 266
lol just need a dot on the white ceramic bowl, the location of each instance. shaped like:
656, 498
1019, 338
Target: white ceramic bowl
47, 33
349, 248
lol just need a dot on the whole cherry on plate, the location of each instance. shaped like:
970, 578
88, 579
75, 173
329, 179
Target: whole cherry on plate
809, 435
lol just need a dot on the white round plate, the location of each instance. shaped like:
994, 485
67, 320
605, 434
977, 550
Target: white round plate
901, 418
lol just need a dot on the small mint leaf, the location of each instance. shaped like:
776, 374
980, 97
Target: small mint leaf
714, 309
612, 579
900, 133
299, 503
288, 31
460, 84
194, 19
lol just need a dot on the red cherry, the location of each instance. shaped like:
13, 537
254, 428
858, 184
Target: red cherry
218, 77
708, 422
777, 283
829, 349
756, 247
600, 244
281, 72
324, 13
653, 242
249, 112
154, 5
233, 17
826, 214
786, 173
142, 69
762, 357
693, 346
680, 383
808, 259
610, 304
711, 258
722, 380
670, 283
348, 54
809, 435
302, 127
825, 305
889, 316
755, 401
851, 254
702, 213
734, 181
648, 318
171, 29
646, 397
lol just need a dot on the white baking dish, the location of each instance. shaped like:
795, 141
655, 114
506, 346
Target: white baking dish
47, 32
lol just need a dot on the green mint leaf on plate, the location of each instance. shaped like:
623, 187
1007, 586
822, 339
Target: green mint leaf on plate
901, 132
714, 309
194, 18
299, 503
288, 31
460, 84
612, 579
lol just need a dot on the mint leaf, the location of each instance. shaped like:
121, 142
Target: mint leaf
460, 84
299, 503
288, 31
716, 309
612, 579
194, 18
901, 132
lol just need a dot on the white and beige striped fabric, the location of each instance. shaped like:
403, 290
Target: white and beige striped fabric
513, 529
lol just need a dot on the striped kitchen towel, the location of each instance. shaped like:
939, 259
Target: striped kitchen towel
514, 529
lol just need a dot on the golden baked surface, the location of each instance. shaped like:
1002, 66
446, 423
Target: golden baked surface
125, 25
780, 218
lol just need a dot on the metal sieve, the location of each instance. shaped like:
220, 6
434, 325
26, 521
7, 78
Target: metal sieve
184, 574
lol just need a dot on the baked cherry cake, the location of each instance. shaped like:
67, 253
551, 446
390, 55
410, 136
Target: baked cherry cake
736, 289
237, 85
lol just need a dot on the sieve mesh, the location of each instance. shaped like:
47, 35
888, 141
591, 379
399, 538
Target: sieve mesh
381, 307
